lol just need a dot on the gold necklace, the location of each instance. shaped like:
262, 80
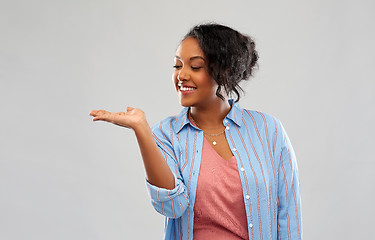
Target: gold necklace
215, 142
209, 134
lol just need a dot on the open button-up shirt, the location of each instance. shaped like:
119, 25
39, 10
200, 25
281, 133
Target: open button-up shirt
266, 163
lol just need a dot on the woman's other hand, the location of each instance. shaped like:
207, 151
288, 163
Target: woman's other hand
132, 118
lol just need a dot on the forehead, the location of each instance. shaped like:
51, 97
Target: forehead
188, 48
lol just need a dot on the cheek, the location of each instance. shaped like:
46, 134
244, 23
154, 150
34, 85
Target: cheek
208, 82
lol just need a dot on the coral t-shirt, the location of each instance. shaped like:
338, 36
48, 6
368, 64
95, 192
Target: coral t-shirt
219, 209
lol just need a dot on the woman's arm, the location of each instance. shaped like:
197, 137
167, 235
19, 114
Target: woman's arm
158, 172
289, 198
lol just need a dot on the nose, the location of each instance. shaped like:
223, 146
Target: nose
183, 75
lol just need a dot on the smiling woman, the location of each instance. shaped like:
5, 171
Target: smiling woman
216, 170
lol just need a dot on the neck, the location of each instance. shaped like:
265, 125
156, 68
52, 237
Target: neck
212, 115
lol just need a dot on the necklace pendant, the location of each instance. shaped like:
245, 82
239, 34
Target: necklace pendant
214, 142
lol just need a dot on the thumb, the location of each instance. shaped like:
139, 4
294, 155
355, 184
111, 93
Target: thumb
129, 109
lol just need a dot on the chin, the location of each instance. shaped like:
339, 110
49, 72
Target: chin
185, 103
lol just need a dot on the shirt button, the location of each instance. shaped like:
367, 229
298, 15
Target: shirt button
250, 225
242, 169
227, 127
225, 121
247, 196
234, 149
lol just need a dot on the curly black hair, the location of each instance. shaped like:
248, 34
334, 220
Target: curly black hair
231, 55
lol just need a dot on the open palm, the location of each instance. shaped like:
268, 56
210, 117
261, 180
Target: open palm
129, 119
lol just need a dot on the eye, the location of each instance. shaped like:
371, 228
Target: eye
195, 68
177, 66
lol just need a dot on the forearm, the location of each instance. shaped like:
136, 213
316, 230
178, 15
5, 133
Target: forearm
158, 172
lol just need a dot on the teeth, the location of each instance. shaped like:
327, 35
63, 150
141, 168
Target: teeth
186, 88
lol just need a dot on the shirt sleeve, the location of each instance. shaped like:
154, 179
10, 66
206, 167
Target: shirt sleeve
289, 216
170, 203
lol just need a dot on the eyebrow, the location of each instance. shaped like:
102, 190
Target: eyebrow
192, 58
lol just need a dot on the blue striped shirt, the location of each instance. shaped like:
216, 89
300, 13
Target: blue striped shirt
267, 167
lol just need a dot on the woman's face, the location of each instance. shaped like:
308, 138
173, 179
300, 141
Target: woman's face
194, 85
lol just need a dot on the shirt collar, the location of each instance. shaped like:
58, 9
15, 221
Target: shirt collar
235, 115
182, 119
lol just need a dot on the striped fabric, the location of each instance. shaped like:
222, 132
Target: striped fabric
266, 164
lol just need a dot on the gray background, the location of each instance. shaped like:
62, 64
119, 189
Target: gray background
64, 177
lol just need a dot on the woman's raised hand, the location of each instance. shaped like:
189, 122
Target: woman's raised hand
157, 170
132, 118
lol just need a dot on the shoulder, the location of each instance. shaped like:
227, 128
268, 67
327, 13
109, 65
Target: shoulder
266, 125
261, 119
253, 118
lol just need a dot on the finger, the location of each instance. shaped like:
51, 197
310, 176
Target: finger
97, 119
98, 112
108, 117
129, 109
93, 112
102, 119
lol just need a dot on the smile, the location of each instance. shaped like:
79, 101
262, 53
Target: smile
186, 89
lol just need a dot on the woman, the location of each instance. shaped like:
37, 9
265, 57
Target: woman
217, 171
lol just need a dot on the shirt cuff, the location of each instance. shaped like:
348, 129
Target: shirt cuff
162, 194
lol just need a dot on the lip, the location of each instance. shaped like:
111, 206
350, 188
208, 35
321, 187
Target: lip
188, 91
186, 86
